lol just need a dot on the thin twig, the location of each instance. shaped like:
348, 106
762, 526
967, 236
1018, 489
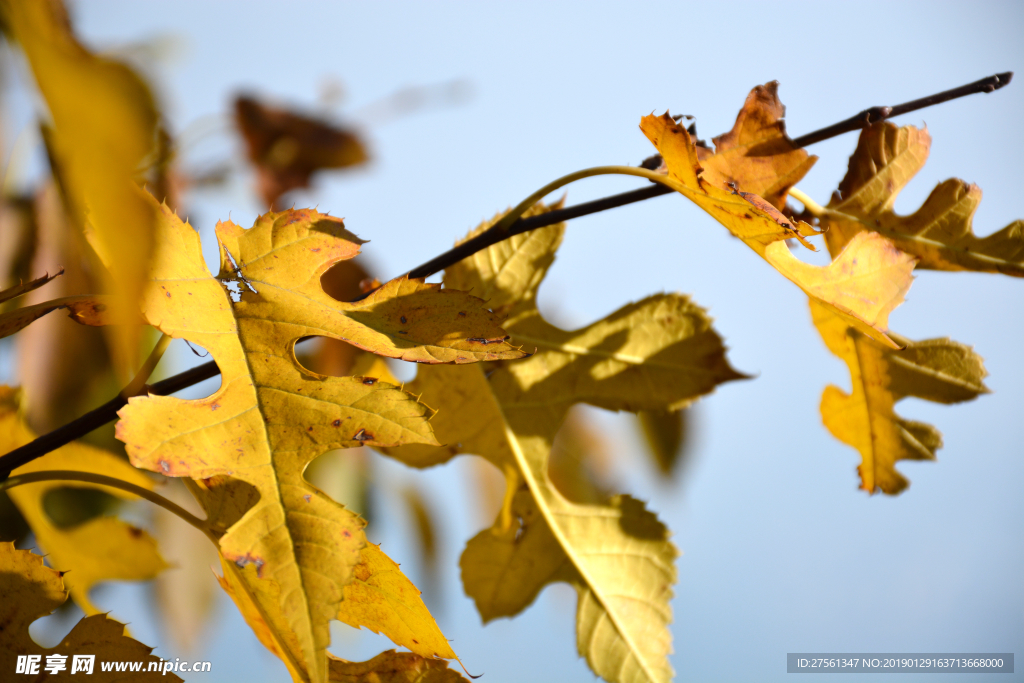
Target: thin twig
108, 411
876, 114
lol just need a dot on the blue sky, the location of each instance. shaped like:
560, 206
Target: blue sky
781, 552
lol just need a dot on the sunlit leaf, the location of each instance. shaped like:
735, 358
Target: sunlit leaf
291, 549
864, 284
937, 370
654, 354
939, 234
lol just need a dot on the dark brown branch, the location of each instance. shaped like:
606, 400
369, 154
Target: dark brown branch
876, 114
108, 411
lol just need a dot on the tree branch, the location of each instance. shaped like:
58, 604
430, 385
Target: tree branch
108, 411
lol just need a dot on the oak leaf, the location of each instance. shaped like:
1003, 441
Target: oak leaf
100, 549
655, 354
97, 149
32, 590
864, 283
939, 234
290, 548
937, 370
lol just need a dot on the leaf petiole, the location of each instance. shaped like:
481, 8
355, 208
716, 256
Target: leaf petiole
524, 206
103, 480
138, 383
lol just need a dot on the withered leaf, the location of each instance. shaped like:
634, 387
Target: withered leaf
287, 148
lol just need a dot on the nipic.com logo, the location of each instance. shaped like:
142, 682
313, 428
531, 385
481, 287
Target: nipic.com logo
86, 664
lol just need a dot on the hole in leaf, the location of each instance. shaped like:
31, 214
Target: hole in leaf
341, 281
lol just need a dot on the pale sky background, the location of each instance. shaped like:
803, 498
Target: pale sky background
781, 552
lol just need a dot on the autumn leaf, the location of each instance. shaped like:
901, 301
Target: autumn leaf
287, 148
864, 283
86, 310
384, 600
655, 354
394, 667
31, 591
94, 310
938, 370
100, 549
757, 155
289, 549
939, 234
98, 149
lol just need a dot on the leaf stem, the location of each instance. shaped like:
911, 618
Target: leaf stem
138, 382
101, 479
502, 226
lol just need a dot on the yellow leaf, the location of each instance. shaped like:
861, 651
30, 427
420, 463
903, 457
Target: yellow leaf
104, 128
937, 370
101, 549
864, 284
30, 591
394, 667
656, 354
383, 600
939, 234
246, 446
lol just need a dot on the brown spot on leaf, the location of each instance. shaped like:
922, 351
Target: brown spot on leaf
134, 532
370, 380
362, 435
336, 423
307, 497
164, 465
403, 319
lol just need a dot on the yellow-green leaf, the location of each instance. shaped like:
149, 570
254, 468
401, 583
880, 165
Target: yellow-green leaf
246, 446
939, 234
100, 549
937, 370
656, 354
104, 128
864, 283
31, 590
